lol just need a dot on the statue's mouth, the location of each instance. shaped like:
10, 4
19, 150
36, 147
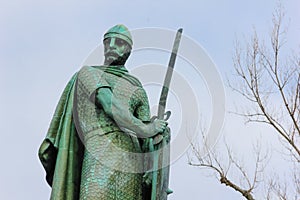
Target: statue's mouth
112, 54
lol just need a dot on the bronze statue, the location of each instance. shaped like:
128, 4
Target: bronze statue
102, 113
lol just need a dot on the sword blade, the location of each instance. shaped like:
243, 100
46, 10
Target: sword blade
167, 81
159, 187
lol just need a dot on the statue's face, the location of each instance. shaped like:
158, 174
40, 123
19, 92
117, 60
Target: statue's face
116, 51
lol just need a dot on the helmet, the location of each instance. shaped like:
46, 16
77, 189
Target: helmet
119, 31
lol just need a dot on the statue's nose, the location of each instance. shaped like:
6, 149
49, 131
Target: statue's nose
112, 42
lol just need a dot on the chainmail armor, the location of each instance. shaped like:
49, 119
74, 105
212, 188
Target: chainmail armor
104, 140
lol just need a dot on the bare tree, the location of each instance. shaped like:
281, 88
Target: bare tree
266, 76
223, 168
269, 78
281, 190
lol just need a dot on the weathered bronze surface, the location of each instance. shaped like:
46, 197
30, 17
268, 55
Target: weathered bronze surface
98, 109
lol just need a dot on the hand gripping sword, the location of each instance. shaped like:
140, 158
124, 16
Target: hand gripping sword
160, 174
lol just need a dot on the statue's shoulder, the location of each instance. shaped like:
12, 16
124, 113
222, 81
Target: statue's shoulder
92, 68
90, 71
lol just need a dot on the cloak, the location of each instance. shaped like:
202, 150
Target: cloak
61, 152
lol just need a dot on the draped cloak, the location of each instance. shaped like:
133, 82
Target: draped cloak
61, 151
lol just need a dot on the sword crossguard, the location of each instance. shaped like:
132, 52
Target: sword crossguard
166, 116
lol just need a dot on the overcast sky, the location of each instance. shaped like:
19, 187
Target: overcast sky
42, 43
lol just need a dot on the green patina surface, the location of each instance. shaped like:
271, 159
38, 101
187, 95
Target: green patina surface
102, 177
98, 104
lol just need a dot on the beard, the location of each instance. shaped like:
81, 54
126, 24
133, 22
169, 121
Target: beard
112, 58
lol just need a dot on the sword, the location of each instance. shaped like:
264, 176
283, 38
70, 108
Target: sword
164, 173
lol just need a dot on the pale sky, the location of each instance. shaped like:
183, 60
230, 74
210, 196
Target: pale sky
43, 43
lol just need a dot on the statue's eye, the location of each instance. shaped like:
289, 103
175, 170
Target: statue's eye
106, 42
119, 42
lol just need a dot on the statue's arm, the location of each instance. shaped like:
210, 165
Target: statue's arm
118, 111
